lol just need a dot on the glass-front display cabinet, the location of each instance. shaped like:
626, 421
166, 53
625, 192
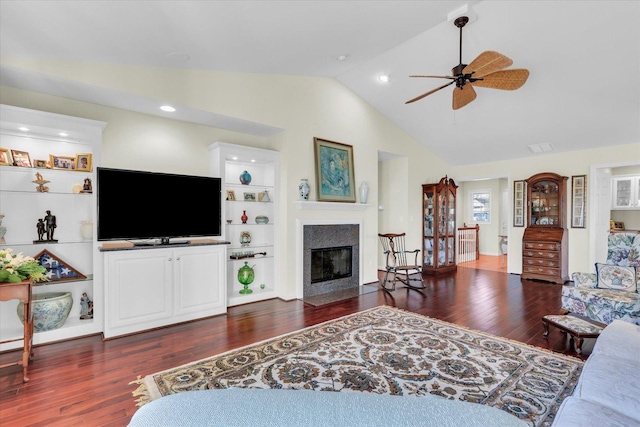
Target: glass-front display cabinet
545, 240
439, 226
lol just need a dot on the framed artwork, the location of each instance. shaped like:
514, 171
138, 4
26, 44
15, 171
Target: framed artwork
57, 269
231, 195
578, 201
334, 171
62, 162
83, 162
42, 164
21, 158
249, 197
5, 157
519, 193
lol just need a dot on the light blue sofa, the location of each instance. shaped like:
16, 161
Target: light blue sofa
585, 298
306, 408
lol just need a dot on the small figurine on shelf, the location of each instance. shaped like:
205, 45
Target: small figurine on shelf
86, 307
41, 229
87, 187
244, 217
41, 188
3, 229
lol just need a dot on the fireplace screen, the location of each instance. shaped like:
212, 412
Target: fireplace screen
330, 263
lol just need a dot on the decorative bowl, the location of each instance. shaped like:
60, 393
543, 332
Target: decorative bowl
50, 310
261, 219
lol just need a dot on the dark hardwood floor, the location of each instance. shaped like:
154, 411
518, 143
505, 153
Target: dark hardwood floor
86, 381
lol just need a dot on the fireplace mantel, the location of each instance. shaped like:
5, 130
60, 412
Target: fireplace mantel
336, 206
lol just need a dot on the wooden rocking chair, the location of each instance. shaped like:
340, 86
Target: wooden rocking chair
396, 259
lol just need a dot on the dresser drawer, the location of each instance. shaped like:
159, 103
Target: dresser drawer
541, 254
545, 246
546, 271
541, 262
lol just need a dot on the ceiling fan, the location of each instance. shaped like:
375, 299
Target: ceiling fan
487, 70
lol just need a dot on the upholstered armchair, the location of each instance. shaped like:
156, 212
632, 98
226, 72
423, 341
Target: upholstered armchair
612, 292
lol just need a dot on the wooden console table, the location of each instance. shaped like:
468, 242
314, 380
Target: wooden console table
23, 292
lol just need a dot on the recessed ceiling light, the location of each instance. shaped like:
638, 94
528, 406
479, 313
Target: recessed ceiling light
343, 57
24, 129
253, 160
178, 56
63, 134
168, 108
234, 158
544, 147
384, 78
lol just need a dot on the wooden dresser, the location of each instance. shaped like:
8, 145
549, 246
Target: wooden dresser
545, 240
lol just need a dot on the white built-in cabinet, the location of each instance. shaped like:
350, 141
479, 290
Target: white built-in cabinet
229, 161
22, 206
626, 192
154, 286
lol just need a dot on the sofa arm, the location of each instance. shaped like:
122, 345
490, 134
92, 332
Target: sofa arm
584, 280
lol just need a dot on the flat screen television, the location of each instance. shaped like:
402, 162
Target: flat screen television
156, 207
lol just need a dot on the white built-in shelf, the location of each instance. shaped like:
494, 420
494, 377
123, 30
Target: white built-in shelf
335, 206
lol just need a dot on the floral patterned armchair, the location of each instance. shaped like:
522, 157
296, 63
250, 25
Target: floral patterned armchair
589, 294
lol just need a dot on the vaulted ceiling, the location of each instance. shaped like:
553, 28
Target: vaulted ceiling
583, 56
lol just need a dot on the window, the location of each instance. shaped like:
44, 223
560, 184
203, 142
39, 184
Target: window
480, 206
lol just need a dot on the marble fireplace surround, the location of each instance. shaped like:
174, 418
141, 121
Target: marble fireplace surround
303, 249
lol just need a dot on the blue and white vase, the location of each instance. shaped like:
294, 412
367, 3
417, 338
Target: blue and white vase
245, 178
304, 189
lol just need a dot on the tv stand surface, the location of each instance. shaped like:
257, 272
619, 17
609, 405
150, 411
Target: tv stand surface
124, 246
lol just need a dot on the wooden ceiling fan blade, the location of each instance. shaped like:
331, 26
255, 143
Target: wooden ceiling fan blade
437, 77
417, 98
487, 62
463, 96
505, 79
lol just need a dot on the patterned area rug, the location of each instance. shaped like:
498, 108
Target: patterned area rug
388, 351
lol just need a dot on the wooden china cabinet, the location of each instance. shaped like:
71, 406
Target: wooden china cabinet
545, 240
439, 227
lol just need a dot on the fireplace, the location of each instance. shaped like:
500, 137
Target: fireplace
330, 258
330, 263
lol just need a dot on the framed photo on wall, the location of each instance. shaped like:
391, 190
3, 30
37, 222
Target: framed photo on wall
83, 162
578, 201
334, 171
231, 195
5, 157
519, 212
21, 158
62, 162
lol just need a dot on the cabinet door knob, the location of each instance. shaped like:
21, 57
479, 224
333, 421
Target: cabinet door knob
170, 259
178, 259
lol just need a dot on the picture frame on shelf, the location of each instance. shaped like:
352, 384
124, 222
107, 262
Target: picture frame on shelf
231, 195
62, 162
5, 157
249, 197
578, 201
57, 269
519, 194
83, 162
41, 164
21, 158
334, 171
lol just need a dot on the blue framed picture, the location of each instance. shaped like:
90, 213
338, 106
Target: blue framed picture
334, 171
